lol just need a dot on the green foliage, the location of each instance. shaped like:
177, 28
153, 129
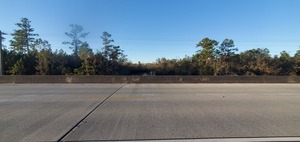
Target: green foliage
297, 62
3, 38
23, 37
206, 57
61, 63
31, 56
163, 66
207, 44
76, 35
255, 62
227, 48
44, 57
113, 55
224, 55
18, 68
10, 59
87, 56
285, 64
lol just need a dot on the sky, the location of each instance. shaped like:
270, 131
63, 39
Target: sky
151, 29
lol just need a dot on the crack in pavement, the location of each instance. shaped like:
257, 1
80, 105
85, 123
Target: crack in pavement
82, 119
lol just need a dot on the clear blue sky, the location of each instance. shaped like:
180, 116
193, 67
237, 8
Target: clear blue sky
151, 29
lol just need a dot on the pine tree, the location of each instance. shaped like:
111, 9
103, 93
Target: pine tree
23, 38
76, 35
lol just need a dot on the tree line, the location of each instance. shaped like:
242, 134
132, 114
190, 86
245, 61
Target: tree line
28, 54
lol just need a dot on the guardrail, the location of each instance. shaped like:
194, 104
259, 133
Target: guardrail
147, 79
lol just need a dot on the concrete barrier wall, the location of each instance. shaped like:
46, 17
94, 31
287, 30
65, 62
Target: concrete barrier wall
148, 79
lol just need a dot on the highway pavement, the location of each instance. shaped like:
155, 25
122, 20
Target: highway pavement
112, 112
45, 112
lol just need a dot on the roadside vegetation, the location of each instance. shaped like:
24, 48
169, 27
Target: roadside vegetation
28, 54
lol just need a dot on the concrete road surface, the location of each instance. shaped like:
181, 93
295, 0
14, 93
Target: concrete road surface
45, 112
93, 112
